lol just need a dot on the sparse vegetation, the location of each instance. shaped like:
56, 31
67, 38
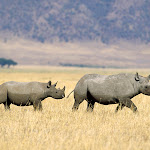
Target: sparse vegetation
58, 128
86, 66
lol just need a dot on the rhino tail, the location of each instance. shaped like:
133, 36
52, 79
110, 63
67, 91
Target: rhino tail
70, 93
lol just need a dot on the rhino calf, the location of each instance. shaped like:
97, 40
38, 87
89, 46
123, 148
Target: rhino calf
113, 89
28, 93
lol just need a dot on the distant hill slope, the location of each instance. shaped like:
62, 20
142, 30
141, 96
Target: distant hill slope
74, 20
87, 54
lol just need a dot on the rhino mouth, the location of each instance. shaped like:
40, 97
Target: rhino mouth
63, 96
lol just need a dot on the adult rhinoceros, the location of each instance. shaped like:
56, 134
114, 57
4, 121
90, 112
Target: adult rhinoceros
28, 93
110, 89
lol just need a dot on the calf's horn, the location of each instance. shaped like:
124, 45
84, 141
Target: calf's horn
63, 88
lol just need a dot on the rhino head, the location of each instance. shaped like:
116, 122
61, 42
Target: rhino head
53, 92
144, 84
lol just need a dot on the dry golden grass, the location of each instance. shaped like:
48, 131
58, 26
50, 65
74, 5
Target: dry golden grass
58, 128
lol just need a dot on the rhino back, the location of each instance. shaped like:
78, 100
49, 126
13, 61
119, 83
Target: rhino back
81, 86
113, 86
23, 92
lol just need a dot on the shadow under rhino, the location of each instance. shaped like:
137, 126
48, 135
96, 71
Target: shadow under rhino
110, 89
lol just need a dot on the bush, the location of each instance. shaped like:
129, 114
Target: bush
8, 62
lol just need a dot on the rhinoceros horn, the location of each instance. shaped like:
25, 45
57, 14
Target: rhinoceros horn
63, 88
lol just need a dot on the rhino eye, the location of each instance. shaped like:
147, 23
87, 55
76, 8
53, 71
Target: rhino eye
146, 86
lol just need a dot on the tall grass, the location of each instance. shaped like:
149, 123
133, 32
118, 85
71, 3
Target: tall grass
58, 128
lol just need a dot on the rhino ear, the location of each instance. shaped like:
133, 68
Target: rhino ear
137, 78
49, 84
148, 77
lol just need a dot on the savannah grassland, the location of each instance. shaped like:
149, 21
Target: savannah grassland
58, 128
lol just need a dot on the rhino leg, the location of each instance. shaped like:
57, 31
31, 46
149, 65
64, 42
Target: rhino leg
119, 107
7, 105
37, 105
90, 106
4, 98
77, 102
128, 103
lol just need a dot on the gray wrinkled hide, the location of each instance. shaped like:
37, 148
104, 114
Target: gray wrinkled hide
113, 89
28, 93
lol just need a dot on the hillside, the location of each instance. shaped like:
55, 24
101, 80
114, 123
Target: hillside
69, 20
125, 54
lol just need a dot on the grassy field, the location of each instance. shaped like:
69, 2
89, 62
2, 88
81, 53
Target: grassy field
58, 128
